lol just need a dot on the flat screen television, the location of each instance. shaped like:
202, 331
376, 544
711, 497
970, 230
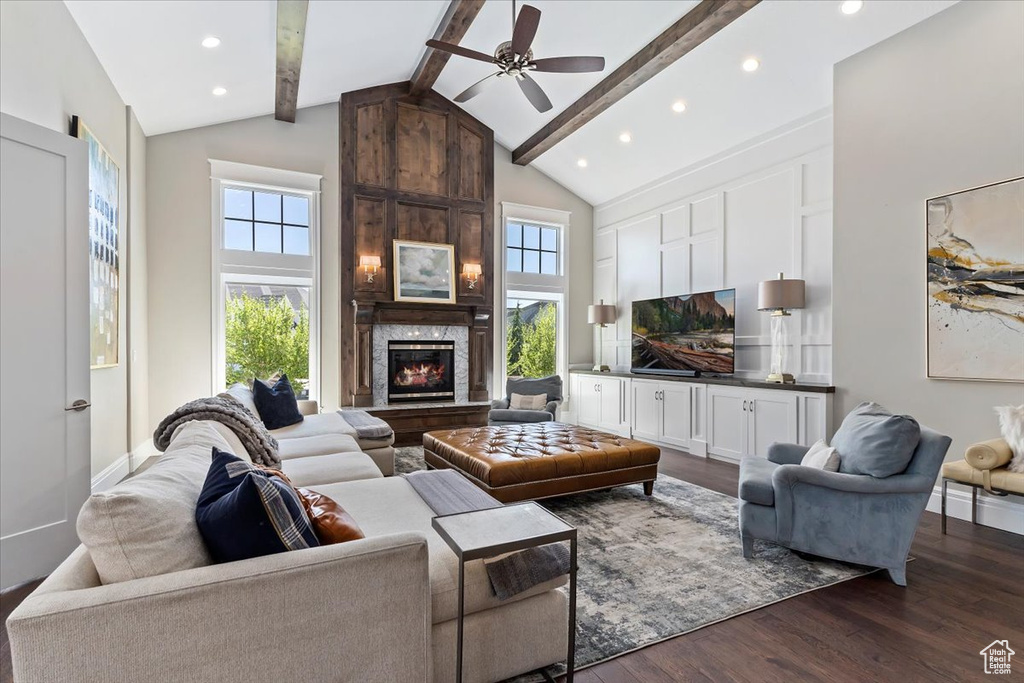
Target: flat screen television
680, 334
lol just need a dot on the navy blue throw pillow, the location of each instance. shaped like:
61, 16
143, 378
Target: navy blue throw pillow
277, 405
245, 512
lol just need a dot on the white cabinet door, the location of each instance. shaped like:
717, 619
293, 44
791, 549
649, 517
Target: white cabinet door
610, 393
44, 347
589, 411
675, 414
727, 422
646, 406
771, 418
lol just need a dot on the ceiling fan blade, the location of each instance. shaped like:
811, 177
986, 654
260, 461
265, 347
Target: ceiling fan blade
569, 65
460, 51
533, 93
525, 29
475, 89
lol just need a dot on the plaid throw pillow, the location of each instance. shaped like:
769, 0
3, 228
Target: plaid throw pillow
245, 512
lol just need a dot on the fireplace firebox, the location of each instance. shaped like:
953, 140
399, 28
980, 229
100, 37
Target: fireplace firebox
421, 371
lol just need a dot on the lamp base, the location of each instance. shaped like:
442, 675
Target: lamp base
602, 368
780, 378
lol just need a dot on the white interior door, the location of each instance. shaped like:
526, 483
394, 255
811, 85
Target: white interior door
44, 347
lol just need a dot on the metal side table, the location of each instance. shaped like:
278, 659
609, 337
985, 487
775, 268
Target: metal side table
495, 531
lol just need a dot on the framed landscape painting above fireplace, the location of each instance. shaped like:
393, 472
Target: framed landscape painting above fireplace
424, 272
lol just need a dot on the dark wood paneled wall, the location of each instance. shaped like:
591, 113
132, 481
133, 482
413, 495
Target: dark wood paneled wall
412, 168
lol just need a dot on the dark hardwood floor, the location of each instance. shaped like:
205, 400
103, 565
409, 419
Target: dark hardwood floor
965, 589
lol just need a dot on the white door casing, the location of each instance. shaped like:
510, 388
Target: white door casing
44, 347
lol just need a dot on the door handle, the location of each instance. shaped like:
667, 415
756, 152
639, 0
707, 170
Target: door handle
78, 406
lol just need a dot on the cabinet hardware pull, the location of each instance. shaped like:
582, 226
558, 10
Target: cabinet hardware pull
744, 406
751, 406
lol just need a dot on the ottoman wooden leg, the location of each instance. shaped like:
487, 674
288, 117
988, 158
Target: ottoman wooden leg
648, 488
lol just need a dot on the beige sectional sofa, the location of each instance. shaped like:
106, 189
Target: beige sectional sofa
378, 609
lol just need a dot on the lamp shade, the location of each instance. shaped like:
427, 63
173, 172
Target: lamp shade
781, 294
369, 261
601, 314
472, 269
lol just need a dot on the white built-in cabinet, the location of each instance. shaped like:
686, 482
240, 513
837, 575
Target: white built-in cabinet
723, 421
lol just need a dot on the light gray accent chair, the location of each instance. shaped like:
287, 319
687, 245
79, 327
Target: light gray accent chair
851, 517
501, 414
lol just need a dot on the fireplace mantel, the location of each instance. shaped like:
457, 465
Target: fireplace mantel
368, 314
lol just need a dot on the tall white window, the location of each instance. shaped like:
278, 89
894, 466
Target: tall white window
533, 328
266, 312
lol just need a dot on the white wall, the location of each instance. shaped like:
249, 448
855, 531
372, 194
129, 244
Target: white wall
730, 221
935, 109
48, 73
526, 185
180, 242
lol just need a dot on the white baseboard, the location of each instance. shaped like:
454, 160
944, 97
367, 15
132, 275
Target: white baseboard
144, 450
1006, 513
112, 473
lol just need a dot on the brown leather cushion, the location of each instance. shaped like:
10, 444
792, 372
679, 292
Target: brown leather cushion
516, 454
331, 523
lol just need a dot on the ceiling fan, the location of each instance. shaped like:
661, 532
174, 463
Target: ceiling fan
515, 58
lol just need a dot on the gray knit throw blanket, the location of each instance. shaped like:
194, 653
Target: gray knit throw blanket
258, 442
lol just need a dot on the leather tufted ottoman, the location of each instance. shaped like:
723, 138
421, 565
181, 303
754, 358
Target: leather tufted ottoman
524, 462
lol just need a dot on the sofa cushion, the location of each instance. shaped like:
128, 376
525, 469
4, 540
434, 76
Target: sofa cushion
873, 441
330, 521
315, 425
318, 444
246, 512
243, 394
756, 481
146, 525
390, 505
235, 445
330, 469
277, 403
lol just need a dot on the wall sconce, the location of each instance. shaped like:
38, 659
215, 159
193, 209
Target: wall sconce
370, 266
472, 271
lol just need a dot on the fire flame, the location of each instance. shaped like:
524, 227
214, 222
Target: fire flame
420, 374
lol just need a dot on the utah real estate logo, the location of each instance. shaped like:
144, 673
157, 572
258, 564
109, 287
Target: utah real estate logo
997, 657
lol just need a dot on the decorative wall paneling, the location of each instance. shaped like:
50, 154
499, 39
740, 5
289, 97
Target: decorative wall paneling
732, 235
412, 168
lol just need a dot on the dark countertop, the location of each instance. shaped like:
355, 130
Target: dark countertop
803, 387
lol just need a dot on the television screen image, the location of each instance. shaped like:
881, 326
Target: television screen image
684, 333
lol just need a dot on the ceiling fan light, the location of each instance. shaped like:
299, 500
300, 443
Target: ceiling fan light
625, 137
211, 42
851, 6
751, 64
679, 106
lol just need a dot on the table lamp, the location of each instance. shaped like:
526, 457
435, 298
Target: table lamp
601, 314
779, 297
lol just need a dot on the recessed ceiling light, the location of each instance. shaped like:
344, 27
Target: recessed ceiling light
582, 163
218, 91
851, 6
625, 137
679, 106
211, 41
751, 64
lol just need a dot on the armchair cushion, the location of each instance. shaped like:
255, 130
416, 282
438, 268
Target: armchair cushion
791, 475
499, 404
519, 416
551, 386
756, 481
873, 441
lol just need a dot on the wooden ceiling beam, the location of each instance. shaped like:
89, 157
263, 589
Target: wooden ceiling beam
695, 27
291, 34
454, 24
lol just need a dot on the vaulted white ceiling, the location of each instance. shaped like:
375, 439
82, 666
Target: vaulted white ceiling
151, 50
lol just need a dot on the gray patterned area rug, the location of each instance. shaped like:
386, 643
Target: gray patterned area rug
651, 568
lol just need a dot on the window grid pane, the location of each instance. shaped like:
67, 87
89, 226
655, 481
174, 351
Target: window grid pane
532, 249
266, 222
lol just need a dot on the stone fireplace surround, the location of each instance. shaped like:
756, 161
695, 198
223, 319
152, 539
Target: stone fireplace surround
383, 333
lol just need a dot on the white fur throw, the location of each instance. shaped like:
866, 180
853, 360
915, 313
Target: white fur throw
821, 456
1011, 424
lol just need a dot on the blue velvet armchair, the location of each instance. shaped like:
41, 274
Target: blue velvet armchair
502, 414
848, 517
